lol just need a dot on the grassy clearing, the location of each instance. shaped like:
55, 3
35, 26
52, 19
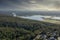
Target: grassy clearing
52, 21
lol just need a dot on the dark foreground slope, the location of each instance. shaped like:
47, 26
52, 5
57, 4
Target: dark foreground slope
13, 28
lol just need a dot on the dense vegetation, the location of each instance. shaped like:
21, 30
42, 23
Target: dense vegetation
13, 28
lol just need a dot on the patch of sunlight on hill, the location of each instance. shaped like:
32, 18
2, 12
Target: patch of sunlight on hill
52, 21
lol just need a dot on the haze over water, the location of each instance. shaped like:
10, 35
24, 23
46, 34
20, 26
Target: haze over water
40, 17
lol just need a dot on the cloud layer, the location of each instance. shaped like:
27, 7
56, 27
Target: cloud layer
30, 4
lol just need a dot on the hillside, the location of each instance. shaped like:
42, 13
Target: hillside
13, 28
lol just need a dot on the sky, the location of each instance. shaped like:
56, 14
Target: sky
31, 5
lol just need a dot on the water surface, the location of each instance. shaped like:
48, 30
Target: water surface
40, 17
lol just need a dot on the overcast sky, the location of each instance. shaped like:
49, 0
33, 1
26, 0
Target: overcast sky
32, 5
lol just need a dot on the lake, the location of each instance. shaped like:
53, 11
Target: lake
40, 17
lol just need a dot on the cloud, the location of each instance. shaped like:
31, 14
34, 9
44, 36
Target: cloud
30, 4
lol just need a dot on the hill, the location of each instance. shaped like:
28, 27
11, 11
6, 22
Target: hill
13, 28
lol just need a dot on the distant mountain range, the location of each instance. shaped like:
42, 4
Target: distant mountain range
24, 13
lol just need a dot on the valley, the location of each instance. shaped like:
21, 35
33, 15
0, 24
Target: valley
12, 28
